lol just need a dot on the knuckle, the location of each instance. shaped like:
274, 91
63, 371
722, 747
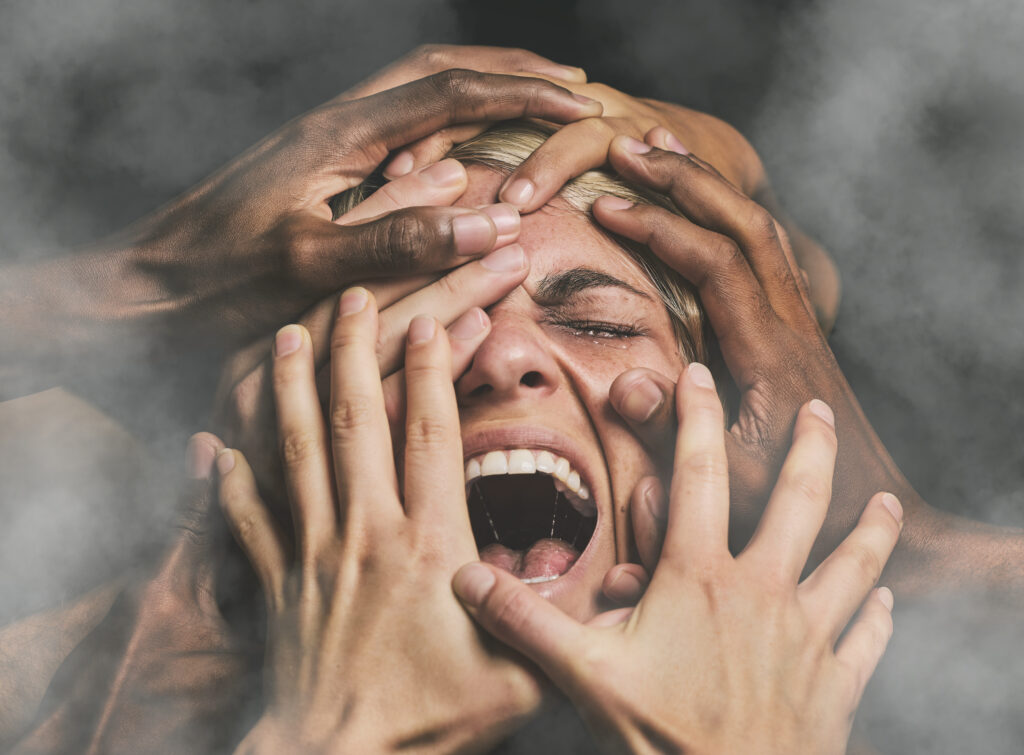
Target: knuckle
812, 487
433, 57
350, 414
398, 241
866, 562
510, 613
455, 84
299, 446
428, 431
704, 467
759, 221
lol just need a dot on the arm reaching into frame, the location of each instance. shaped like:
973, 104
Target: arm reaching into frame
254, 245
721, 654
739, 259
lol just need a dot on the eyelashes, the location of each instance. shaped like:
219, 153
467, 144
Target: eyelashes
589, 328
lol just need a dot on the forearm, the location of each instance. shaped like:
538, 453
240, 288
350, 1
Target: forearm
76, 316
941, 554
31, 651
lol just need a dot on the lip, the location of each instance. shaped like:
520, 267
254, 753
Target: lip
537, 437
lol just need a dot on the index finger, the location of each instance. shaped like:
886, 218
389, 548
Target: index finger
427, 59
398, 116
698, 517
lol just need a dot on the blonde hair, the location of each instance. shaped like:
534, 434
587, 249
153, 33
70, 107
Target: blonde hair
504, 146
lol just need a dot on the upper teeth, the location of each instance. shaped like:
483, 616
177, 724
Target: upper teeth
527, 461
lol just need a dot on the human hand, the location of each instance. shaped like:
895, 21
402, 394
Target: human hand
367, 647
163, 671
244, 406
721, 654
254, 244
732, 250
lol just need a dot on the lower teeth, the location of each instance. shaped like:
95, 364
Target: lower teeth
538, 580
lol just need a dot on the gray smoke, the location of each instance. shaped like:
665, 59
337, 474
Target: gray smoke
893, 130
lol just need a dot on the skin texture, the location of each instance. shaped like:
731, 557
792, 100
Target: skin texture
253, 245
721, 654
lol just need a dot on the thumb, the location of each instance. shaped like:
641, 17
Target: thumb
523, 620
325, 256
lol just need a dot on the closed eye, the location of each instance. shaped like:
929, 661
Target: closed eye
597, 328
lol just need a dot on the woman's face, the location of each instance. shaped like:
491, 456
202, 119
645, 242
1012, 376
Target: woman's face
537, 394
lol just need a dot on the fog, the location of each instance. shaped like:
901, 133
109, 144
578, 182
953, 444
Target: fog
892, 130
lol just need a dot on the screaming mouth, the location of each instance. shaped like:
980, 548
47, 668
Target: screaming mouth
531, 514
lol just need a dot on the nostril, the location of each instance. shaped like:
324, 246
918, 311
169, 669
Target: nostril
531, 379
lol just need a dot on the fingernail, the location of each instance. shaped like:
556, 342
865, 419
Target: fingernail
199, 457
654, 500
615, 204
353, 301
700, 375
470, 325
673, 144
892, 503
505, 217
288, 340
400, 165
508, 259
886, 597
519, 192
643, 399
422, 329
820, 409
626, 584
225, 461
583, 99
473, 233
636, 146
445, 173
472, 583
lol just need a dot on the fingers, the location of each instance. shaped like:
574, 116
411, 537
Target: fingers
252, 523
698, 520
625, 583
434, 478
430, 149
739, 312
360, 438
302, 436
836, 588
646, 400
411, 111
464, 337
800, 500
477, 284
567, 153
428, 59
648, 510
714, 203
520, 618
862, 647
438, 184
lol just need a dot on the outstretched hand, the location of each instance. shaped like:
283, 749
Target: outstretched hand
721, 654
368, 650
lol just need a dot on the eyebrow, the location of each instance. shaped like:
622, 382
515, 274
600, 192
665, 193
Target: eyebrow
556, 288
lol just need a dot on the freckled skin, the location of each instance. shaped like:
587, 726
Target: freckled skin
576, 370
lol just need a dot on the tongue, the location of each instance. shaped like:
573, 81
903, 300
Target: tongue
549, 557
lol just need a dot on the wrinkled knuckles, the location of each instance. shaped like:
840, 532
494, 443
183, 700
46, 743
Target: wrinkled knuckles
866, 562
299, 447
429, 432
704, 468
810, 487
349, 415
398, 242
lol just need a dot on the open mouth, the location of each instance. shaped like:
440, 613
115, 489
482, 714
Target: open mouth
532, 514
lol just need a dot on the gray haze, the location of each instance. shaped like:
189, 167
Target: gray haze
893, 130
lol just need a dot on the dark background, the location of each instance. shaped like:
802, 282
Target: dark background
894, 132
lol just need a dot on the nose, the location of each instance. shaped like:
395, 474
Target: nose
513, 362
